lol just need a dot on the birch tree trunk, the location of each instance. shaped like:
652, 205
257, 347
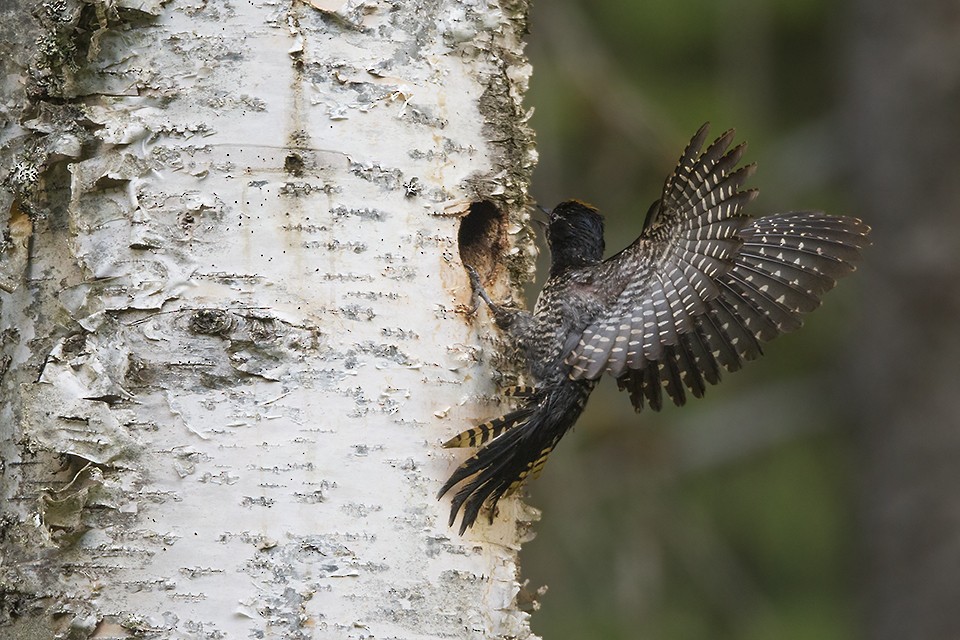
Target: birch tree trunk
233, 315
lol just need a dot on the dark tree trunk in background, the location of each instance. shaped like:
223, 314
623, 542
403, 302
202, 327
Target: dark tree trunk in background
904, 117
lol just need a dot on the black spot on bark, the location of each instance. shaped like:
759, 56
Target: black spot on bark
293, 164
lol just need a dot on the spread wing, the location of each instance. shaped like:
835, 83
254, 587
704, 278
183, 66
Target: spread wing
704, 285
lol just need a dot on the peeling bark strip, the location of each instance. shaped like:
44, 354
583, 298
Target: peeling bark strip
231, 315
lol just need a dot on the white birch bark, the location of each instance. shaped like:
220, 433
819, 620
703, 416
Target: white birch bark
232, 317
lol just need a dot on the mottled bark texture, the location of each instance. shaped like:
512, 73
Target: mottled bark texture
233, 325
904, 122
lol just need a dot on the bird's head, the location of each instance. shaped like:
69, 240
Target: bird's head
575, 235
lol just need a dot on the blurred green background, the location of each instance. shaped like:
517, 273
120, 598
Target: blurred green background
792, 501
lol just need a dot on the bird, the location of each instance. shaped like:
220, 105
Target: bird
695, 295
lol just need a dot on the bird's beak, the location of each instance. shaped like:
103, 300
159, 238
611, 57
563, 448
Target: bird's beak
538, 219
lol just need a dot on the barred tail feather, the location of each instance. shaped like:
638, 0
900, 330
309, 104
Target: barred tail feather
519, 391
484, 433
516, 453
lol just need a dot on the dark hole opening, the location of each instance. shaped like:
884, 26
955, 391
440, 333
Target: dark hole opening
294, 164
482, 238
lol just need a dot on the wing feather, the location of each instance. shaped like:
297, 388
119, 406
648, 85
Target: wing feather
673, 381
652, 387
710, 330
706, 285
704, 367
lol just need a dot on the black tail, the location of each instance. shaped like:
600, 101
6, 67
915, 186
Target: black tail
518, 452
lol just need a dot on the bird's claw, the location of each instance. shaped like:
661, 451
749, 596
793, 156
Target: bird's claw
475, 286
474, 277
478, 289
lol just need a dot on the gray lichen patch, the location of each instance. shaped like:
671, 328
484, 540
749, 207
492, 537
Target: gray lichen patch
388, 179
505, 125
